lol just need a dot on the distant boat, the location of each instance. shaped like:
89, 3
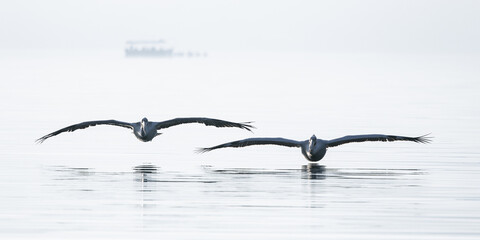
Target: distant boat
156, 48
147, 49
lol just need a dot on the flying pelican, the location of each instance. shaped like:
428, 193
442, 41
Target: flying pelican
314, 149
145, 131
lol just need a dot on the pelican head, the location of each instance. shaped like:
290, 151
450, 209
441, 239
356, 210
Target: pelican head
313, 141
144, 120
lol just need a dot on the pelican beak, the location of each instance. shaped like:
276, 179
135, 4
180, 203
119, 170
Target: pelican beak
143, 128
311, 146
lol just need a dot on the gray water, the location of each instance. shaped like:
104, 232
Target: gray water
103, 183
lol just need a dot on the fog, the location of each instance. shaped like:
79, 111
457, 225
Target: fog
294, 68
377, 26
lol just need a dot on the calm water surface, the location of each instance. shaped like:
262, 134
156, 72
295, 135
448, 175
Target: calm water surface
103, 183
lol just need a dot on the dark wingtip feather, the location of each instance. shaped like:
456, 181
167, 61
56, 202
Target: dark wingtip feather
247, 126
202, 150
423, 139
40, 140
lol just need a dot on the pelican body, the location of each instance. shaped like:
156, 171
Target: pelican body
315, 149
145, 130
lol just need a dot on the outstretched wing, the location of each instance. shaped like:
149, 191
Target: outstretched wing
85, 125
206, 121
375, 138
254, 141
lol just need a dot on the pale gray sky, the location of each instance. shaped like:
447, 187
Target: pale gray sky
418, 26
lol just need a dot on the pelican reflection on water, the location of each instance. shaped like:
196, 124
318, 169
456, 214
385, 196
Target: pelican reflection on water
315, 149
145, 130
